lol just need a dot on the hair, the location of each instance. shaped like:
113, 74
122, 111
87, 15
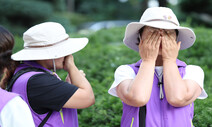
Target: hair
7, 65
140, 31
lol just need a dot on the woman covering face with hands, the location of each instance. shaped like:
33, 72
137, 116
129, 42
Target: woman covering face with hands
158, 90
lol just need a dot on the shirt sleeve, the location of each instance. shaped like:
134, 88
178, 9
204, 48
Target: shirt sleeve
16, 113
46, 92
122, 73
196, 74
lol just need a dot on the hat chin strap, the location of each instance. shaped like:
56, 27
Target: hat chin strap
54, 65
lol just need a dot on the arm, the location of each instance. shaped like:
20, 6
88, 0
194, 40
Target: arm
137, 92
178, 92
84, 96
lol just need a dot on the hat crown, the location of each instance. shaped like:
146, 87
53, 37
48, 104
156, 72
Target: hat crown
43, 34
159, 14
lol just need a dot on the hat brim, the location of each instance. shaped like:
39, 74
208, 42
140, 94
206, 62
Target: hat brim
185, 35
59, 50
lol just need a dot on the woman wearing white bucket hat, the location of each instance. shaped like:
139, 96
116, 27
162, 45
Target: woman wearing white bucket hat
53, 102
158, 90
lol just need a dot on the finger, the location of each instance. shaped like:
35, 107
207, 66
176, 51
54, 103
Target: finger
82, 72
164, 44
166, 40
149, 36
153, 38
171, 38
156, 37
157, 45
68, 78
178, 45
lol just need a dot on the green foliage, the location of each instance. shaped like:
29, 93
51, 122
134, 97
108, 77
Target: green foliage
108, 9
106, 51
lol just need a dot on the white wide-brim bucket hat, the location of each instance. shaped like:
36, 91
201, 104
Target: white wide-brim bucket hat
48, 40
162, 18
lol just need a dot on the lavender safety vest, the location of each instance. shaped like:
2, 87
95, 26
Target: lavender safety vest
159, 113
65, 118
5, 98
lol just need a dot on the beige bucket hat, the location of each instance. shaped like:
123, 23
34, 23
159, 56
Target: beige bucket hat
158, 17
48, 40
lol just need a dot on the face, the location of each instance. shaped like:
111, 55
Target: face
49, 63
59, 63
147, 30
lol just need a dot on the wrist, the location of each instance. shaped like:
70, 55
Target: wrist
169, 61
70, 67
148, 62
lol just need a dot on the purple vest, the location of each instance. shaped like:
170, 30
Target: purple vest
65, 118
159, 113
5, 98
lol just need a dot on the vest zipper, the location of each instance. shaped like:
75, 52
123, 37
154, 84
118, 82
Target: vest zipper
160, 85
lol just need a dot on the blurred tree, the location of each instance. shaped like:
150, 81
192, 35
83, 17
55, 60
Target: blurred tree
200, 11
144, 5
70, 5
108, 9
59, 5
162, 3
18, 15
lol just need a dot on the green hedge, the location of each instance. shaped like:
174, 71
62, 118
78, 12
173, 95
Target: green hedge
105, 52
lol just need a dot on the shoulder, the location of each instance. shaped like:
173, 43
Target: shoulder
124, 69
17, 101
43, 78
194, 72
122, 73
17, 113
194, 69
